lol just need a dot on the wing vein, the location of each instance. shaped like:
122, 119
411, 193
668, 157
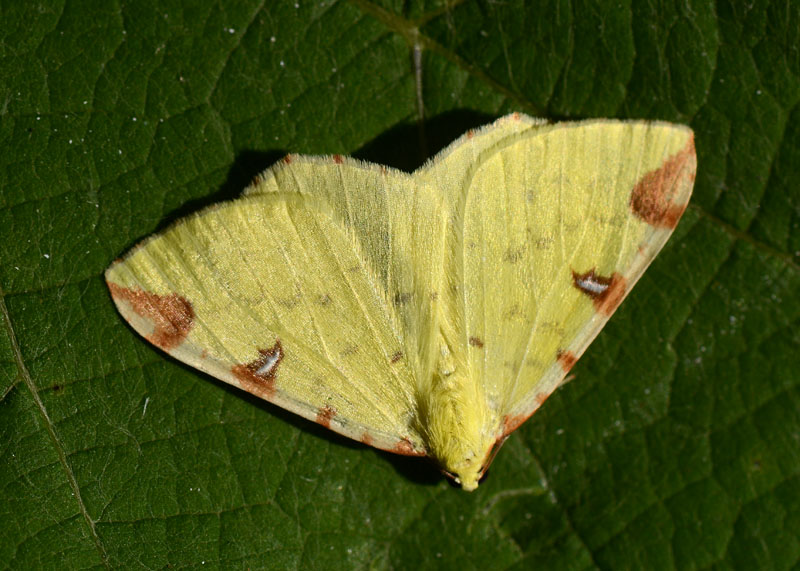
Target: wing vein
288, 261
378, 404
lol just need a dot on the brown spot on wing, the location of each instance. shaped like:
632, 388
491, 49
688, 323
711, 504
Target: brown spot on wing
513, 255
401, 298
476, 342
287, 160
606, 292
338, 159
325, 415
396, 356
349, 350
171, 316
566, 359
511, 423
367, 439
258, 376
652, 199
406, 448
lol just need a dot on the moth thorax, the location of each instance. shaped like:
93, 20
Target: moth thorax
455, 424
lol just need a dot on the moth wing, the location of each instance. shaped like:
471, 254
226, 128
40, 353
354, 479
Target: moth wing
553, 225
398, 220
275, 293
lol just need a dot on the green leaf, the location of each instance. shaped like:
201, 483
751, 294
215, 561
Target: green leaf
677, 444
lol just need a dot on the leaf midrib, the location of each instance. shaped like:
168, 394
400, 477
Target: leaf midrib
24, 375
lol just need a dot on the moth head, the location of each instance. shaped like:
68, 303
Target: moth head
468, 475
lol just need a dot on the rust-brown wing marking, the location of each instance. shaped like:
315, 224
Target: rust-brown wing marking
169, 317
258, 376
659, 198
606, 292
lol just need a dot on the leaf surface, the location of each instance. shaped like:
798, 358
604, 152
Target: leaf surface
675, 445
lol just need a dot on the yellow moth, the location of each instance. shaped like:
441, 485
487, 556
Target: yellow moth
426, 314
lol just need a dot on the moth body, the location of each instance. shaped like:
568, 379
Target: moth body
457, 427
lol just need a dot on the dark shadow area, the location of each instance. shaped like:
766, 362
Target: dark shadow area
407, 146
245, 168
422, 471
419, 470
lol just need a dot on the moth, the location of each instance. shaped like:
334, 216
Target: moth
427, 314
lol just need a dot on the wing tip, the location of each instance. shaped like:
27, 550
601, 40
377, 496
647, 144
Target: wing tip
662, 195
164, 320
